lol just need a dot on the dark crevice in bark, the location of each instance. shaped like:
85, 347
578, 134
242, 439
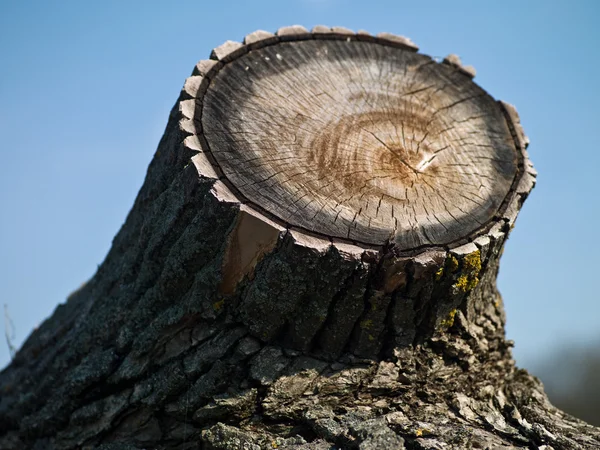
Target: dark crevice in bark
340, 296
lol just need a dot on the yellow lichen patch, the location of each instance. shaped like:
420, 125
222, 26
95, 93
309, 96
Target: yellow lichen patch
472, 283
471, 266
366, 324
439, 274
472, 262
373, 302
462, 283
218, 305
466, 283
422, 431
453, 264
449, 321
274, 444
371, 337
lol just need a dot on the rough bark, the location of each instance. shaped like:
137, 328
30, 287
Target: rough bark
222, 318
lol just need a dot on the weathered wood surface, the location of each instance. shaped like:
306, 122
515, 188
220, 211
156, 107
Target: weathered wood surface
223, 319
360, 141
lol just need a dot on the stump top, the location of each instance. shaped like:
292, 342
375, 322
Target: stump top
360, 140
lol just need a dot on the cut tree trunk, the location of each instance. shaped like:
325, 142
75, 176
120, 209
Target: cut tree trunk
311, 263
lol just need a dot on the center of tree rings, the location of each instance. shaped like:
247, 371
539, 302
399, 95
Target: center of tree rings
361, 141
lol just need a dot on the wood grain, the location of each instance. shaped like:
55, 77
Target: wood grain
361, 141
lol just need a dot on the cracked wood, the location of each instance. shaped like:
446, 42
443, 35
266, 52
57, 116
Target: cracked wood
361, 141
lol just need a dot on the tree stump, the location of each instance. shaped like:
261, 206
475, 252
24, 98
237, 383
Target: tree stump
311, 264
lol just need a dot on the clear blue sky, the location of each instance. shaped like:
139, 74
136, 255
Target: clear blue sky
86, 88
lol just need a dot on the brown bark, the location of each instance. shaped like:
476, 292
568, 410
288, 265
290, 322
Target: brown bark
223, 318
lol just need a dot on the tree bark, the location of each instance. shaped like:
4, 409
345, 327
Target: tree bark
311, 263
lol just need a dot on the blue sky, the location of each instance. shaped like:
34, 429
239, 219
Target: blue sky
86, 88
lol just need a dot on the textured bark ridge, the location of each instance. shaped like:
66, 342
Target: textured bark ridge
310, 264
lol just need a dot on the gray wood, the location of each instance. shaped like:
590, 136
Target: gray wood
228, 51
397, 41
292, 33
214, 324
259, 38
454, 60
